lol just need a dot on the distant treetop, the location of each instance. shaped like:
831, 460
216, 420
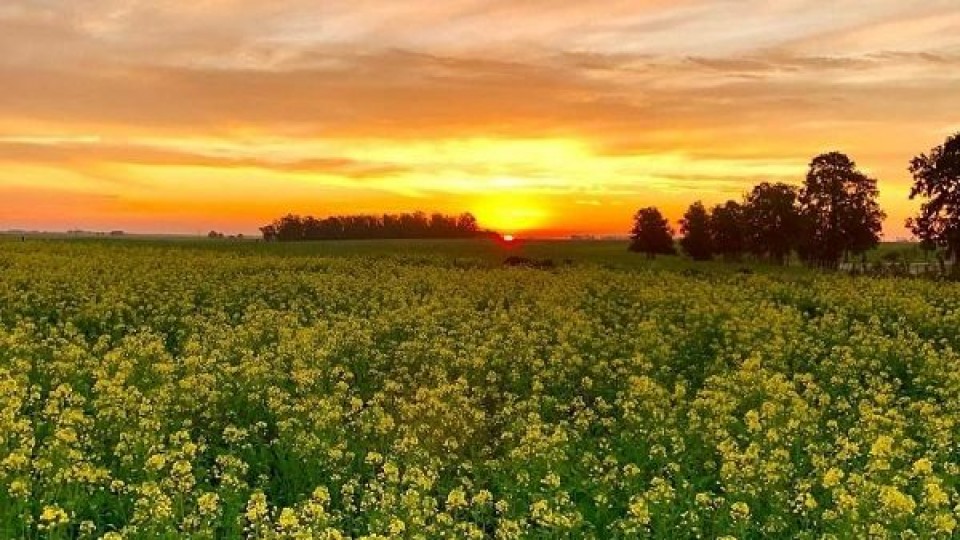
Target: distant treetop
293, 228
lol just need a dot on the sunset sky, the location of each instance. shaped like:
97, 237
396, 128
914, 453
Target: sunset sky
544, 117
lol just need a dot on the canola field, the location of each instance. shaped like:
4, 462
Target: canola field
176, 390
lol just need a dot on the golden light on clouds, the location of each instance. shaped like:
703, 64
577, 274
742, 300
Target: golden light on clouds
542, 117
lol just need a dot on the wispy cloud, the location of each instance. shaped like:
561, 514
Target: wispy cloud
79, 153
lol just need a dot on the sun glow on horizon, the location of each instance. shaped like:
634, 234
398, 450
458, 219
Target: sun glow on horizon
509, 215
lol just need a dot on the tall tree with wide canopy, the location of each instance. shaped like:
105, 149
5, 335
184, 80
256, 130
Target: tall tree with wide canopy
651, 233
772, 220
695, 228
839, 210
936, 178
727, 230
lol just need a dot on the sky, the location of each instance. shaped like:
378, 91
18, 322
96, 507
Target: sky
542, 117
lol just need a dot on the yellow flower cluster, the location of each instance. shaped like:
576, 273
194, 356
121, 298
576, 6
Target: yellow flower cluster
165, 390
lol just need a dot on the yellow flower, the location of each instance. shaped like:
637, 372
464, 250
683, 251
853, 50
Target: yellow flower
208, 503
155, 462
391, 472
944, 523
896, 501
482, 498
922, 466
257, 507
832, 477
639, 511
934, 495
551, 480
321, 495
87, 527
53, 516
456, 499
15, 461
882, 447
66, 435
234, 435
397, 526
288, 519
181, 468
739, 511
19, 489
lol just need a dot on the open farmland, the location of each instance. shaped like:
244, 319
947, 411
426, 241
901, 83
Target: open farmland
384, 390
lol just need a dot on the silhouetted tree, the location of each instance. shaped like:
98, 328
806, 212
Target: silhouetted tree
651, 233
772, 220
416, 225
467, 223
727, 230
291, 228
269, 233
695, 228
839, 211
936, 178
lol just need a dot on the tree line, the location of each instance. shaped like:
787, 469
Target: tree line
292, 228
834, 215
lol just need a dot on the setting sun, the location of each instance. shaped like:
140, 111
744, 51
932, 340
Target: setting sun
510, 215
